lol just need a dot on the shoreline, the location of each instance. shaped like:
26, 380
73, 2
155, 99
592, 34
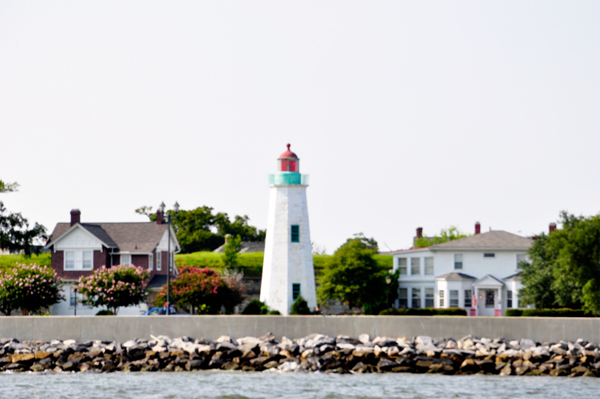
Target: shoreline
313, 353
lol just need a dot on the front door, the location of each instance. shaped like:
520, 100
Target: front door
487, 303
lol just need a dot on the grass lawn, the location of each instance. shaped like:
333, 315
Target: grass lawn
11, 260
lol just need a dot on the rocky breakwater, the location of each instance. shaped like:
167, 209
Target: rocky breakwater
316, 352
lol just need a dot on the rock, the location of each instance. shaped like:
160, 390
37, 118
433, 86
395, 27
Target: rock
37, 367
21, 358
42, 355
271, 364
364, 338
360, 368
469, 366
193, 364
557, 372
386, 365
230, 366
436, 368
507, 370
520, 370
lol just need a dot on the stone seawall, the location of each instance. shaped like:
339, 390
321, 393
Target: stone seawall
124, 328
313, 353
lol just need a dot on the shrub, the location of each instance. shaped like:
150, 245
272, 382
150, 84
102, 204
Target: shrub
202, 290
105, 313
565, 312
274, 312
255, 306
514, 312
28, 287
424, 312
300, 307
115, 287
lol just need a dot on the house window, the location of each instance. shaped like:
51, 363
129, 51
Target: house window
428, 297
441, 298
403, 297
295, 291
468, 298
458, 261
69, 260
509, 299
150, 262
429, 265
402, 266
158, 260
79, 260
453, 298
489, 255
489, 298
415, 266
126, 260
416, 297
521, 258
295, 233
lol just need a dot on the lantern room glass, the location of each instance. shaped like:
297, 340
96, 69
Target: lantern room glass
288, 165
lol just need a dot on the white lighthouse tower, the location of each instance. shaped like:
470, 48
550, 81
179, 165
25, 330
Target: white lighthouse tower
288, 269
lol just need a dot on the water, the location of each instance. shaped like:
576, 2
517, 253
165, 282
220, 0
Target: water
241, 385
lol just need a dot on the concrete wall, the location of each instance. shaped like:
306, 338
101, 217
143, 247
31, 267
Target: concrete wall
123, 328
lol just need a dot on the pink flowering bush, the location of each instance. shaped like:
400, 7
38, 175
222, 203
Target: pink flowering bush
29, 288
115, 287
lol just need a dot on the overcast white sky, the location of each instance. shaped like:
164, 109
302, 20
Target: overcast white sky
405, 114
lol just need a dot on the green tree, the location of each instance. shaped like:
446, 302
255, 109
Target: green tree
449, 234
352, 276
565, 266
201, 230
29, 288
115, 287
15, 234
231, 251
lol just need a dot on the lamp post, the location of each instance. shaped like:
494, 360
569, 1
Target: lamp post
169, 257
388, 280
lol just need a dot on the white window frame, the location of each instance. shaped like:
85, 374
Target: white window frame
459, 259
76, 259
403, 267
441, 298
429, 267
151, 262
521, 258
403, 297
415, 296
429, 297
415, 263
454, 298
125, 263
159, 260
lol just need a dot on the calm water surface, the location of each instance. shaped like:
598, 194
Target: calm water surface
234, 385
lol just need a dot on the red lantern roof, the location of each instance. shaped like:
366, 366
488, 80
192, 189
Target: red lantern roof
288, 154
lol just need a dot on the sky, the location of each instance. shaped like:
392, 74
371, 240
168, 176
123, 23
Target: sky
404, 114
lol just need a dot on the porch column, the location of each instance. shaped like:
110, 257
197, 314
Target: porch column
499, 306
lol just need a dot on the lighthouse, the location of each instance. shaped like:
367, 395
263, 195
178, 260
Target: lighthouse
288, 270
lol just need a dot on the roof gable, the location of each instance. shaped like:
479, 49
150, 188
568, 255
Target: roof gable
140, 237
492, 240
488, 279
455, 276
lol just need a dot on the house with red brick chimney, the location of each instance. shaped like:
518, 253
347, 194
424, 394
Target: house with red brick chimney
78, 248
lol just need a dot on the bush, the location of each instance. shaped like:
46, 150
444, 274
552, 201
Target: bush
114, 287
274, 313
255, 306
203, 290
300, 307
424, 312
514, 312
565, 312
29, 288
105, 313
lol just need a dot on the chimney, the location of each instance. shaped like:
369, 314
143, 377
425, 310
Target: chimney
551, 228
419, 232
75, 216
159, 217
477, 228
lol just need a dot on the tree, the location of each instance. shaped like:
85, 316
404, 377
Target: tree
203, 291
300, 307
564, 267
449, 234
15, 234
115, 287
29, 288
231, 250
201, 230
352, 276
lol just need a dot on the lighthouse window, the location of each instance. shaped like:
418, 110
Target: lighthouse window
295, 291
295, 233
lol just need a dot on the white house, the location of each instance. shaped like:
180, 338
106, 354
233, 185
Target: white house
479, 273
